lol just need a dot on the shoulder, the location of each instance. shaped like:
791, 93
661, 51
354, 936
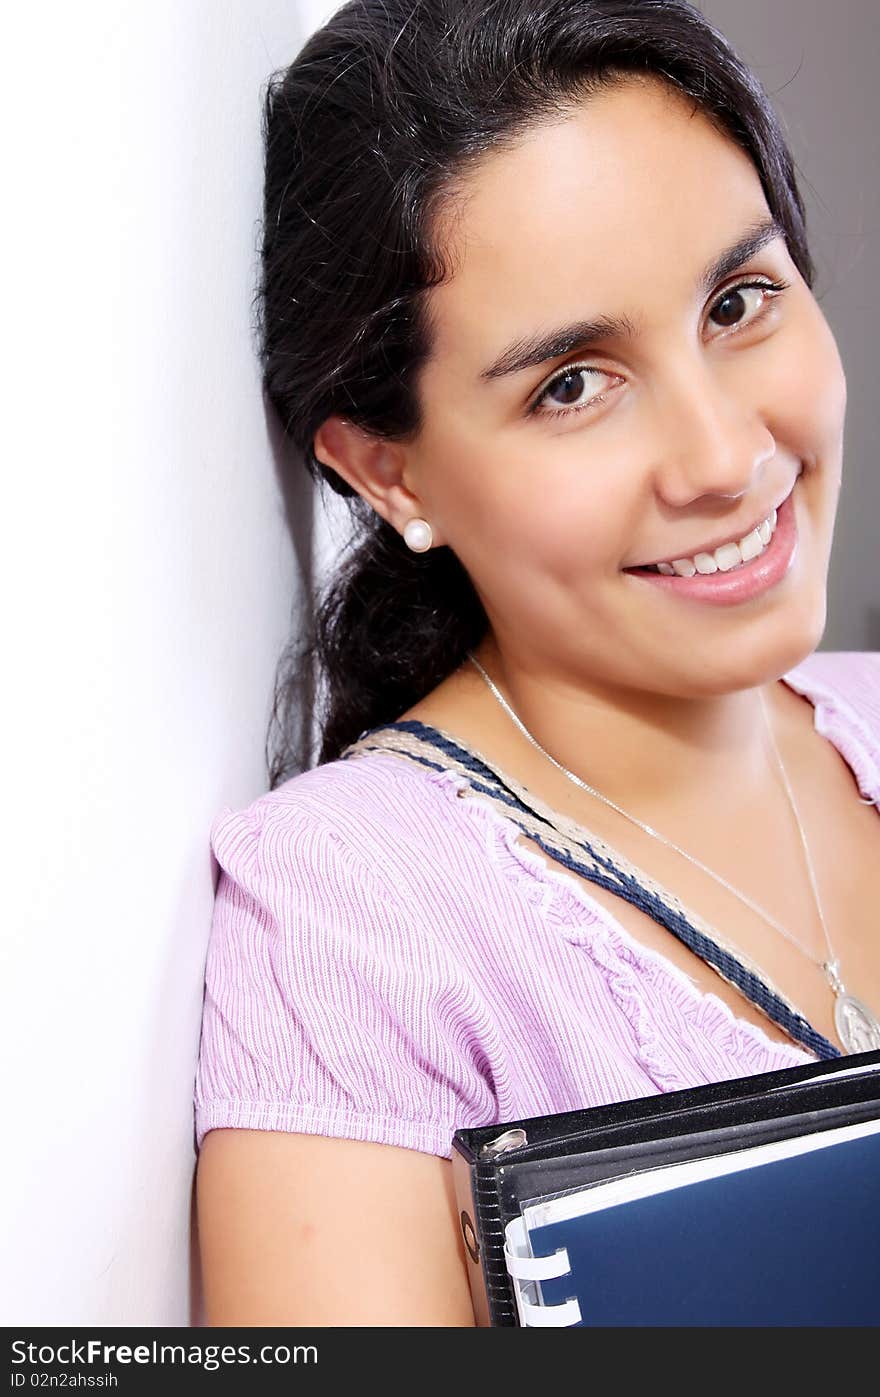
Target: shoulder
844, 688
843, 682
334, 1003
842, 669
370, 815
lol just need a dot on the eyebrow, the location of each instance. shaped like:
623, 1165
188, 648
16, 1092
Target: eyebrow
527, 353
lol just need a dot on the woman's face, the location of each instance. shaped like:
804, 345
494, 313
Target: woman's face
677, 425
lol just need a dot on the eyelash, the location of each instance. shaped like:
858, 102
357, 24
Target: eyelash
774, 287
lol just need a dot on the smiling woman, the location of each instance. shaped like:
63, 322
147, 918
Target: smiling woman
591, 817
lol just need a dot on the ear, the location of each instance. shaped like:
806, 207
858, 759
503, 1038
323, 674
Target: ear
374, 467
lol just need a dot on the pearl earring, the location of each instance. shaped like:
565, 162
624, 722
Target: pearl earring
418, 535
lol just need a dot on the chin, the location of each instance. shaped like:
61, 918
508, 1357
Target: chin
802, 622
761, 655
797, 633
791, 631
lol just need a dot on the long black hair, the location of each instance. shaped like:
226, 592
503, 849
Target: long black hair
365, 135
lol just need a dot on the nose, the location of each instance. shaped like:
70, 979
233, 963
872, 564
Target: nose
713, 440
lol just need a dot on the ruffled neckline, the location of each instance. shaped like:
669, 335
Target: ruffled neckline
565, 902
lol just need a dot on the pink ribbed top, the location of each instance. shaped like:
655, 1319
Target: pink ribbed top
386, 962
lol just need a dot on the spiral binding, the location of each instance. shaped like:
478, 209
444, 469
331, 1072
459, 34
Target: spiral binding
524, 1270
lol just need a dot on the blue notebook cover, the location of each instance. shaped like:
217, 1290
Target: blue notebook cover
793, 1241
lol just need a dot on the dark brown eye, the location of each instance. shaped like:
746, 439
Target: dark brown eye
730, 309
568, 388
745, 304
572, 390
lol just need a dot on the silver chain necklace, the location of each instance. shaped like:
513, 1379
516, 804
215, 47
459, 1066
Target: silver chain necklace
858, 1028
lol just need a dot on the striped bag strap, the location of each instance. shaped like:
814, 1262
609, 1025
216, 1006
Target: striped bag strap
586, 854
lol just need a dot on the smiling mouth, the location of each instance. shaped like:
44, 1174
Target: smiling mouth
726, 557
748, 581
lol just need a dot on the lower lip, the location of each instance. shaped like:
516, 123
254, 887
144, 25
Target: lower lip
741, 584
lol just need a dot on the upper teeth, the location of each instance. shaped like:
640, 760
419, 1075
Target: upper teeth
728, 556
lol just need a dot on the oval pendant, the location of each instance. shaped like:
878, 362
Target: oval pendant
857, 1028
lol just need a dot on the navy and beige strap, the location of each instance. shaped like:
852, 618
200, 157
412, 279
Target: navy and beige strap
584, 853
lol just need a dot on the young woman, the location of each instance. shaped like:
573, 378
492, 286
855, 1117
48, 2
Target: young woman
591, 818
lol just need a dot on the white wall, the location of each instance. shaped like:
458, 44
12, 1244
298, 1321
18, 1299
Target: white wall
148, 581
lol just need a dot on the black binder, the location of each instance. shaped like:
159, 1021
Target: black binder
755, 1200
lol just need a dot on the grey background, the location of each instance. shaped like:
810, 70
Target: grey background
819, 62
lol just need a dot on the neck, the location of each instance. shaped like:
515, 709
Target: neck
641, 750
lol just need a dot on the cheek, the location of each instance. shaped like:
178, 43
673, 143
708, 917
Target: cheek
562, 519
806, 405
549, 505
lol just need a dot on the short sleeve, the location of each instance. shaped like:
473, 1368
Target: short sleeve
327, 1008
